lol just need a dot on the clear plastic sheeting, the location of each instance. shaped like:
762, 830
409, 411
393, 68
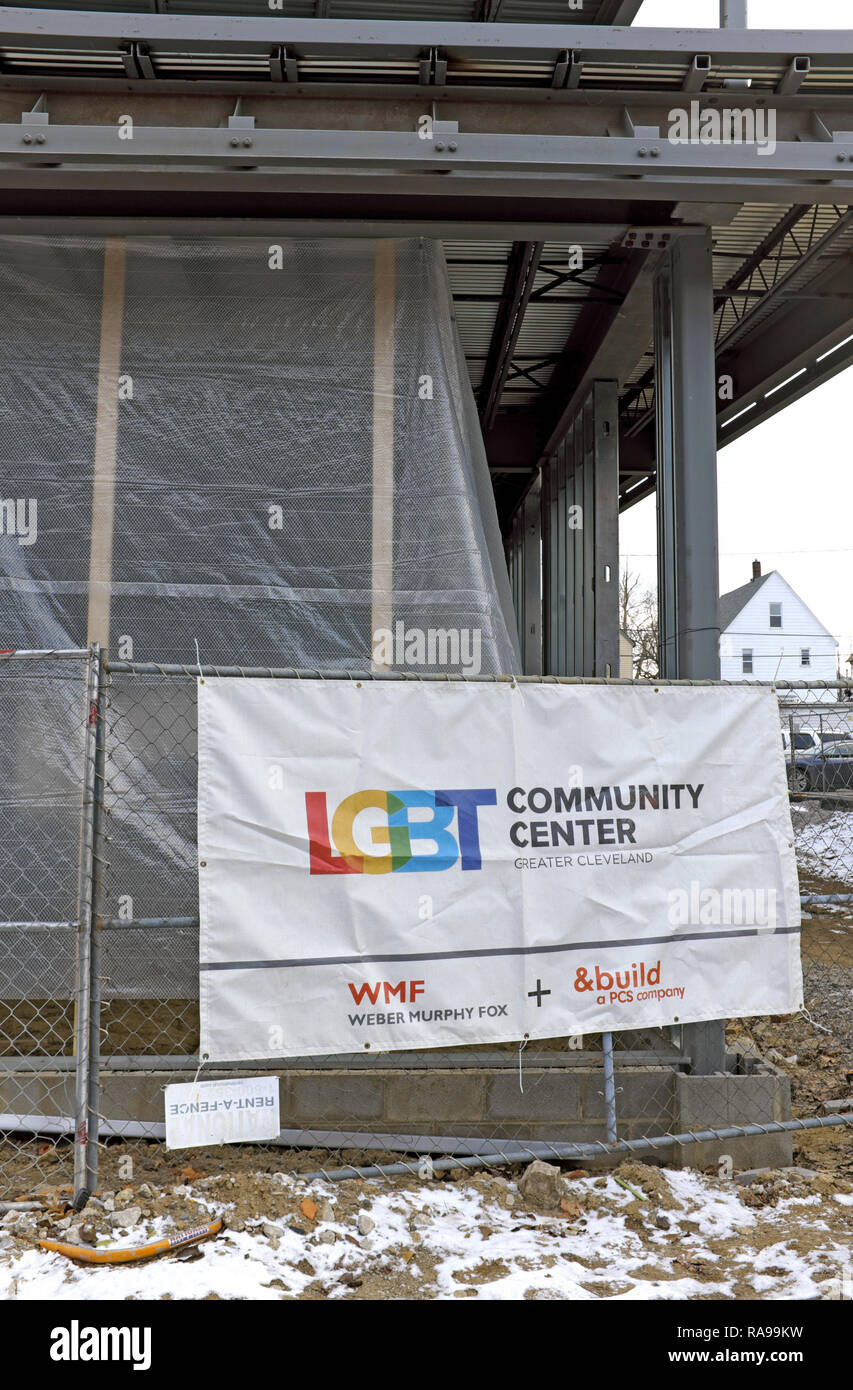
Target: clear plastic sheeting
254, 454
236, 411
44, 713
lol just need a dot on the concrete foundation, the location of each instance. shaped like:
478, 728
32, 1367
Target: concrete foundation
409, 1108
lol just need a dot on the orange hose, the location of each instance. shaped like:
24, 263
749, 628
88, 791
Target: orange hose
122, 1257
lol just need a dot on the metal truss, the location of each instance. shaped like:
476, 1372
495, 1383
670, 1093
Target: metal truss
779, 272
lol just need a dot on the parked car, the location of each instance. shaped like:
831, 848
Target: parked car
804, 742
831, 769
810, 741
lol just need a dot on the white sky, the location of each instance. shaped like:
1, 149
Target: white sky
786, 487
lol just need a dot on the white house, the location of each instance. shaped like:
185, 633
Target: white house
626, 656
767, 633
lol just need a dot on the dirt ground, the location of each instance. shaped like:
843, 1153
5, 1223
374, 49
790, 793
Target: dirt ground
814, 1049
639, 1232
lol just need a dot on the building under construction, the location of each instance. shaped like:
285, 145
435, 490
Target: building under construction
319, 324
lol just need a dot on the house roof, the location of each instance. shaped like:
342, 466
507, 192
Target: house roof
736, 599
732, 603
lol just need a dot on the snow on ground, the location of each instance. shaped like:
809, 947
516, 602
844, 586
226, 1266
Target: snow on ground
692, 1236
824, 842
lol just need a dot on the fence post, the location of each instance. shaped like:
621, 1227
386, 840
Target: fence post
609, 1087
99, 838
84, 1176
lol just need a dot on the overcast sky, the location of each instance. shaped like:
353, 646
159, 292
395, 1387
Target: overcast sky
786, 487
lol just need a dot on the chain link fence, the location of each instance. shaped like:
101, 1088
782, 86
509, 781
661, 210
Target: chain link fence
99, 964
49, 706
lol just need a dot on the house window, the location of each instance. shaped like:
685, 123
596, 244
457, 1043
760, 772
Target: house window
805, 656
775, 615
746, 661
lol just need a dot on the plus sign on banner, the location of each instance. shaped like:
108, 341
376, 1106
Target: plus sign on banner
405, 865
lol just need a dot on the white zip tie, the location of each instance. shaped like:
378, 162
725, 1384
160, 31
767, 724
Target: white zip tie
813, 1021
521, 1047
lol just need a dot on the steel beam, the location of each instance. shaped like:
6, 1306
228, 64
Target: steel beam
800, 377
518, 285
358, 228
657, 166
607, 342
618, 11
512, 208
805, 343
83, 31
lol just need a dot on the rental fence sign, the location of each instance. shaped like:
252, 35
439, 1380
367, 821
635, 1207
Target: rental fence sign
400, 864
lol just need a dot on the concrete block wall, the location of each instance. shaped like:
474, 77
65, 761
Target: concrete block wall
557, 1104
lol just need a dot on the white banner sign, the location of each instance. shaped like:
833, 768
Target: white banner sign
241, 1111
395, 865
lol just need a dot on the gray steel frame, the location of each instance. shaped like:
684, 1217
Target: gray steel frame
531, 598
580, 564
688, 584
509, 169
597, 165
686, 454
406, 39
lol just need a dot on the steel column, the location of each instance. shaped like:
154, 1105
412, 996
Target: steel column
516, 574
663, 347
606, 528
531, 624
687, 463
580, 484
549, 540
566, 478
587, 606
688, 584
577, 535
733, 14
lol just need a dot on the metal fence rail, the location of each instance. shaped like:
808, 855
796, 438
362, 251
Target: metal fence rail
99, 965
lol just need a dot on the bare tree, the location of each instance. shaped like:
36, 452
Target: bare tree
638, 619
